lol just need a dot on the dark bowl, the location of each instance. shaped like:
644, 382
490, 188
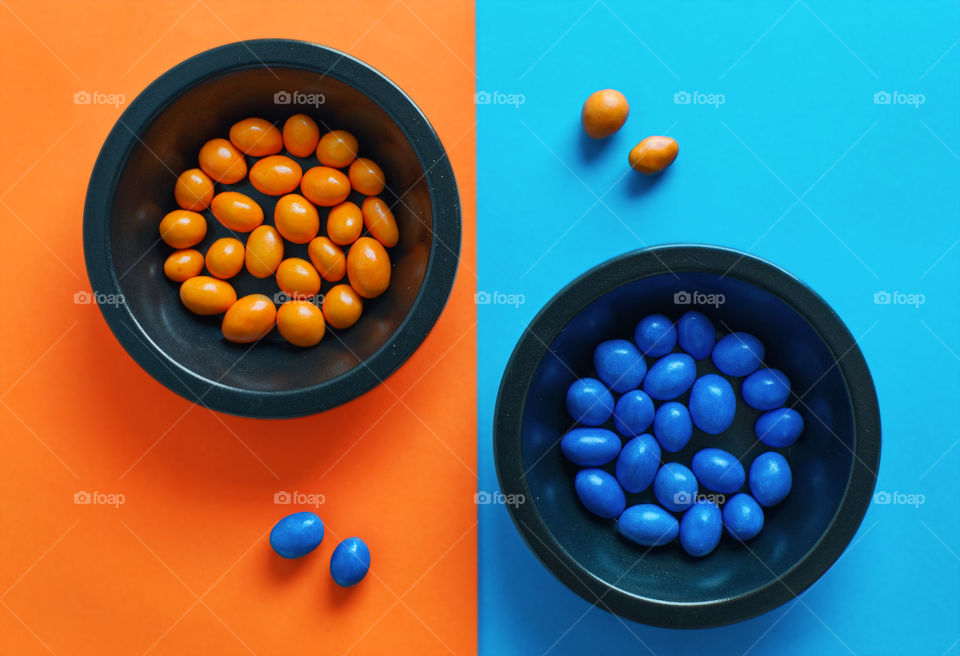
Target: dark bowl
834, 463
160, 135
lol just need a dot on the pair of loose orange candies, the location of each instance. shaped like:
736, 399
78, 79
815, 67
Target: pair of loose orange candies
605, 112
296, 219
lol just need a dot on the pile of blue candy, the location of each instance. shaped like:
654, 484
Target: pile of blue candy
646, 414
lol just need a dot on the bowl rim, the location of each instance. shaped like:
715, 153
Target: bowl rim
628, 268
444, 247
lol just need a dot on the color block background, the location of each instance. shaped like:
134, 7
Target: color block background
183, 566
797, 165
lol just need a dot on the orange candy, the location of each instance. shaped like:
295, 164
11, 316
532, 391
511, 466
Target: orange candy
194, 190
380, 222
337, 149
205, 295
604, 112
301, 135
225, 258
249, 319
184, 264
297, 278
366, 177
296, 219
221, 160
275, 175
325, 186
256, 137
301, 323
183, 228
341, 306
653, 154
264, 251
236, 211
344, 223
368, 267
327, 258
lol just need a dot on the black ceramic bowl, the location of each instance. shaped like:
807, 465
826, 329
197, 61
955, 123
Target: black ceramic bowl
160, 135
834, 463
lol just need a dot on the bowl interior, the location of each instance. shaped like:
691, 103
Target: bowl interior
144, 193
821, 460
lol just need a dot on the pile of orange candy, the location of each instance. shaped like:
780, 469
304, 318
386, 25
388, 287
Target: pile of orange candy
296, 219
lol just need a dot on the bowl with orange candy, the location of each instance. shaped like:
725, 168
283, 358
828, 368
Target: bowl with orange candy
280, 223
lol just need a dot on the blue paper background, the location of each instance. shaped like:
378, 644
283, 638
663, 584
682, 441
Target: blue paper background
798, 165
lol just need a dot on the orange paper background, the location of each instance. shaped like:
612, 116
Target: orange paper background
183, 565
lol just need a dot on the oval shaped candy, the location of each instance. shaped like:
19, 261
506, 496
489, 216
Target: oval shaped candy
672, 426
670, 376
742, 516
675, 487
297, 534
590, 447
589, 401
770, 478
619, 365
637, 463
350, 562
713, 404
738, 354
718, 470
779, 428
648, 525
765, 389
700, 528
655, 335
600, 493
696, 334
633, 413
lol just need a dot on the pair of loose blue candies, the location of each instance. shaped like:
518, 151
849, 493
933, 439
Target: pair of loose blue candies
298, 534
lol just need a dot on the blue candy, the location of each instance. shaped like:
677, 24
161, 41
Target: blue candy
350, 562
633, 413
765, 389
648, 524
670, 376
675, 487
590, 447
696, 334
672, 426
770, 478
713, 404
589, 401
742, 516
700, 528
297, 534
718, 470
777, 428
600, 493
655, 335
738, 354
619, 364
638, 463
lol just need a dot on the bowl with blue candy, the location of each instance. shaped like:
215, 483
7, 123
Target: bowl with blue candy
695, 433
